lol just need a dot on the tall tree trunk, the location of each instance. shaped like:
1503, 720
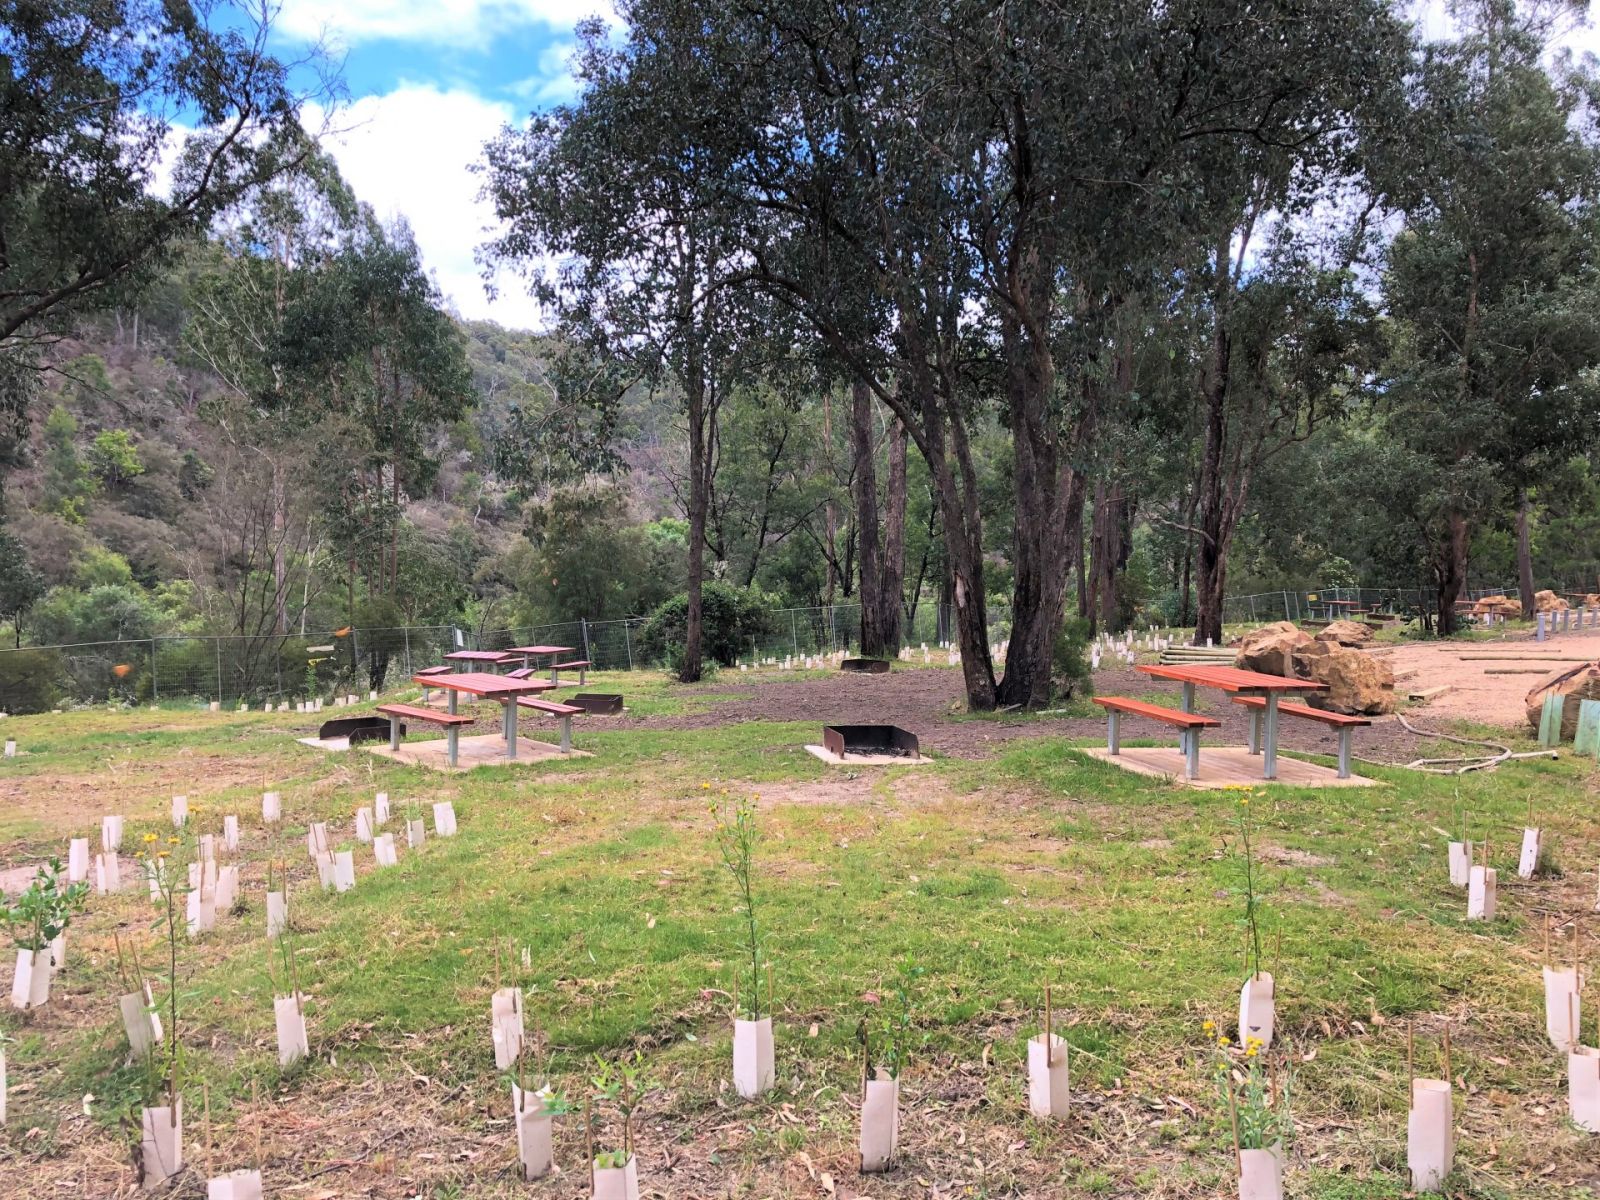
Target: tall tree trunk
894, 540
1049, 495
692, 667
1451, 572
1214, 535
1525, 556
864, 483
280, 565
830, 514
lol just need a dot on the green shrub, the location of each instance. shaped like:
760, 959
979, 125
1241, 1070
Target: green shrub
1070, 677
731, 618
31, 681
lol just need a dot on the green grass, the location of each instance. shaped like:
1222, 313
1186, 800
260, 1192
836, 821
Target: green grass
996, 876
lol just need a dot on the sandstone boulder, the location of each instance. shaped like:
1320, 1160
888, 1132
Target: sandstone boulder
1359, 684
1591, 601
1548, 601
1576, 683
1271, 648
1346, 633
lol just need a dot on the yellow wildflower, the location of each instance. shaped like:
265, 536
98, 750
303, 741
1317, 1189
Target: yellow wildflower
1208, 1026
172, 841
149, 837
161, 854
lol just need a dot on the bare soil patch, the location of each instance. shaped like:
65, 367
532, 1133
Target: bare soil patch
1474, 694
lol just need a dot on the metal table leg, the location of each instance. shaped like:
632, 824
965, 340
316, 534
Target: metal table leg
1269, 738
1188, 697
508, 724
452, 692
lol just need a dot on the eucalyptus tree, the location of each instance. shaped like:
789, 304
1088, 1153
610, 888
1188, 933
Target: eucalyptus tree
959, 203
91, 96
611, 208
1494, 282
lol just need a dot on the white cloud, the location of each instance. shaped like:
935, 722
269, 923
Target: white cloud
554, 83
408, 153
450, 22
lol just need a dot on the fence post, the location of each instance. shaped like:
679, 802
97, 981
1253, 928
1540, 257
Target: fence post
1252, 610
155, 686
217, 642
407, 629
627, 640
583, 625
794, 633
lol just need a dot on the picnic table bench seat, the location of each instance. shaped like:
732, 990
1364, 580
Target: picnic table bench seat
552, 708
1344, 724
1188, 725
451, 722
439, 670
580, 665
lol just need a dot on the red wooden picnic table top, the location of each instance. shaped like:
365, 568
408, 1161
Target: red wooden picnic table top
541, 650
481, 683
494, 656
1232, 679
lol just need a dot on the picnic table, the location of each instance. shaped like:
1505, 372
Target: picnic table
489, 658
488, 687
554, 654
1239, 682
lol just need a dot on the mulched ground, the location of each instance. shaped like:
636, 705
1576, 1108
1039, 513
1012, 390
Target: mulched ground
930, 702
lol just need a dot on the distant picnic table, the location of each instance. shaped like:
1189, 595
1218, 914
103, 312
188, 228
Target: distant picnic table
553, 653
465, 659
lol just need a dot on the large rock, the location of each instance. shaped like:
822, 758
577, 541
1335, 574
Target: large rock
1548, 601
1346, 633
1359, 684
1500, 606
1578, 683
1271, 648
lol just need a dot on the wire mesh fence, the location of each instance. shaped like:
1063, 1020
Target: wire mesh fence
235, 670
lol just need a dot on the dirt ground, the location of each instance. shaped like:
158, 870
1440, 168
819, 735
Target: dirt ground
930, 703
1475, 695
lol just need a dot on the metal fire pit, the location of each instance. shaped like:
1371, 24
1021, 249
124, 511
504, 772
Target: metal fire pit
357, 729
844, 740
598, 704
865, 666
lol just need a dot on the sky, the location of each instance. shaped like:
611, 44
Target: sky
430, 81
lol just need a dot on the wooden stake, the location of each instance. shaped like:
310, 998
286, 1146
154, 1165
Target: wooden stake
1449, 1075
205, 1100
255, 1123
1233, 1117
1049, 1043
1411, 1061
769, 988
588, 1133
294, 979
1547, 938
